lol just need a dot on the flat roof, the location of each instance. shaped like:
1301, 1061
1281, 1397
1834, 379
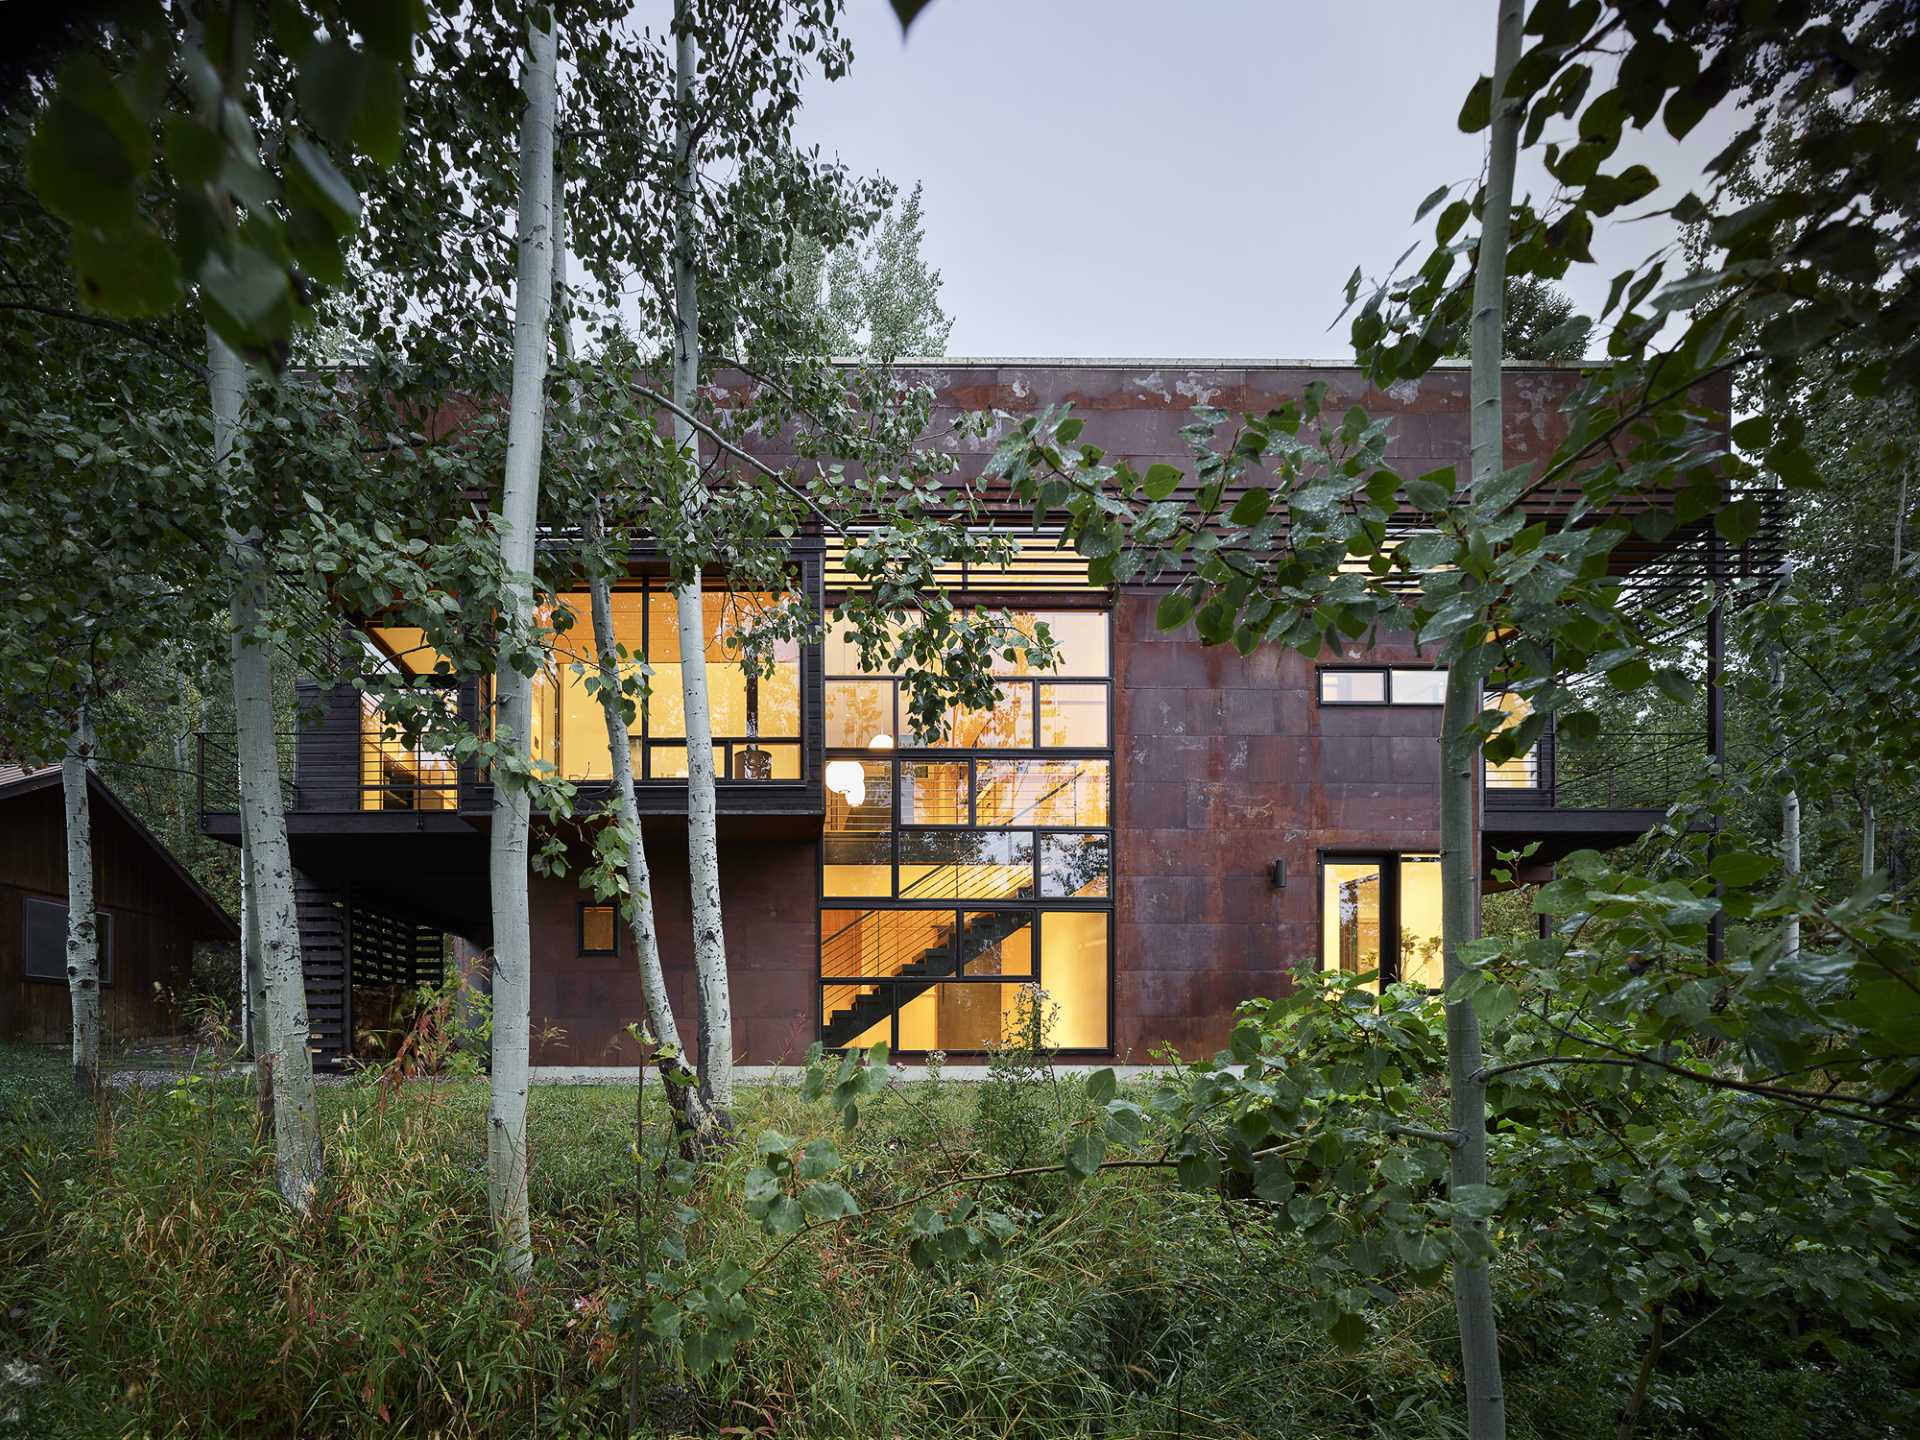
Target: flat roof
1183, 362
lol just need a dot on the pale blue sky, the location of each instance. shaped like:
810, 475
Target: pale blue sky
1175, 177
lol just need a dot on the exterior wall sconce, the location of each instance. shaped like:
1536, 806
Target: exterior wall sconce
1277, 873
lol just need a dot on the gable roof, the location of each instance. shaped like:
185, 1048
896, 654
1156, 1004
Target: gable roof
16, 781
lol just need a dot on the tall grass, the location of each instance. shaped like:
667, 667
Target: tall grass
152, 1276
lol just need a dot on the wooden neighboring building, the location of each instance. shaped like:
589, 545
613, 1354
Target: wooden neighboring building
153, 914
1154, 833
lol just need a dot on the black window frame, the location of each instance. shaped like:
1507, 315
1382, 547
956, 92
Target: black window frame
1389, 863
1386, 672
580, 927
1034, 912
1036, 905
643, 744
103, 920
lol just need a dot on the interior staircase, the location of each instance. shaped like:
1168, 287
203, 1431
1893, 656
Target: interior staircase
940, 960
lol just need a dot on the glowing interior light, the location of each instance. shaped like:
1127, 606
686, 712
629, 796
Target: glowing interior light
881, 741
848, 778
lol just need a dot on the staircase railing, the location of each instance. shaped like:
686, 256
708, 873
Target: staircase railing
898, 938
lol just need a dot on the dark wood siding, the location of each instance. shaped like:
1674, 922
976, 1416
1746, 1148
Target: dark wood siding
154, 923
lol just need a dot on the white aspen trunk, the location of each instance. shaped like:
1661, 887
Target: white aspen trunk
1459, 842
183, 763
1900, 524
703, 850
512, 803
256, 1012
1867, 858
682, 1083
1789, 817
83, 926
680, 1080
1790, 852
299, 1160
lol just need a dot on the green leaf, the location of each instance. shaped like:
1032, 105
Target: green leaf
331, 85
380, 123
1477, 113
1740, 867
1102, 1086
1173, 611
827, 1201
1349, 1331
1674, 684
387, 26
1478, 1200
89, 151
1629, 675
1251, 507
821, 1157
1272, 1180
327, 184
1494, 1002
1740, 521
1084, 1154
1161, 481
906, 10
131, 272
248, 288
784, 1216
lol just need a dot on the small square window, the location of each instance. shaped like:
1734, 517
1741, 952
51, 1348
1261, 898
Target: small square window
599, 930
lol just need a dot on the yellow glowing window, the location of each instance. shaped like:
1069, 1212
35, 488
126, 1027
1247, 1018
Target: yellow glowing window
965, 980
755, 717
1519, 772
599, 930
1073, 717
1043, 792
1380, 915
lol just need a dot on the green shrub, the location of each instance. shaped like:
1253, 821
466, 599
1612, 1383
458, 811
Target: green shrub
160, 1287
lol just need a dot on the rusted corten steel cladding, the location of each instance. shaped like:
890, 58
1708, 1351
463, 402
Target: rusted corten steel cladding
1222, 765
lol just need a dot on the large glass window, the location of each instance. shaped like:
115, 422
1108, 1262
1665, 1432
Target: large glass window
395, 775
857, 845
955, 980
989, 862
1380, 914
1067, 709
755, 717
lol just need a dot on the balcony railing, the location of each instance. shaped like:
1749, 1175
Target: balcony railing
328, 772
1618, 770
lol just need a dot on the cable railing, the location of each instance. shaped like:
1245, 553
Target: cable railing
1635, 770
1616, 770
329, 773
217, 772
877, 945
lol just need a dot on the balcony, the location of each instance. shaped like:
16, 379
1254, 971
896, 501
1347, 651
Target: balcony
1606, 792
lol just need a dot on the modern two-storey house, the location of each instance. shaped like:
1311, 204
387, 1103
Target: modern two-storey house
1152, 832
